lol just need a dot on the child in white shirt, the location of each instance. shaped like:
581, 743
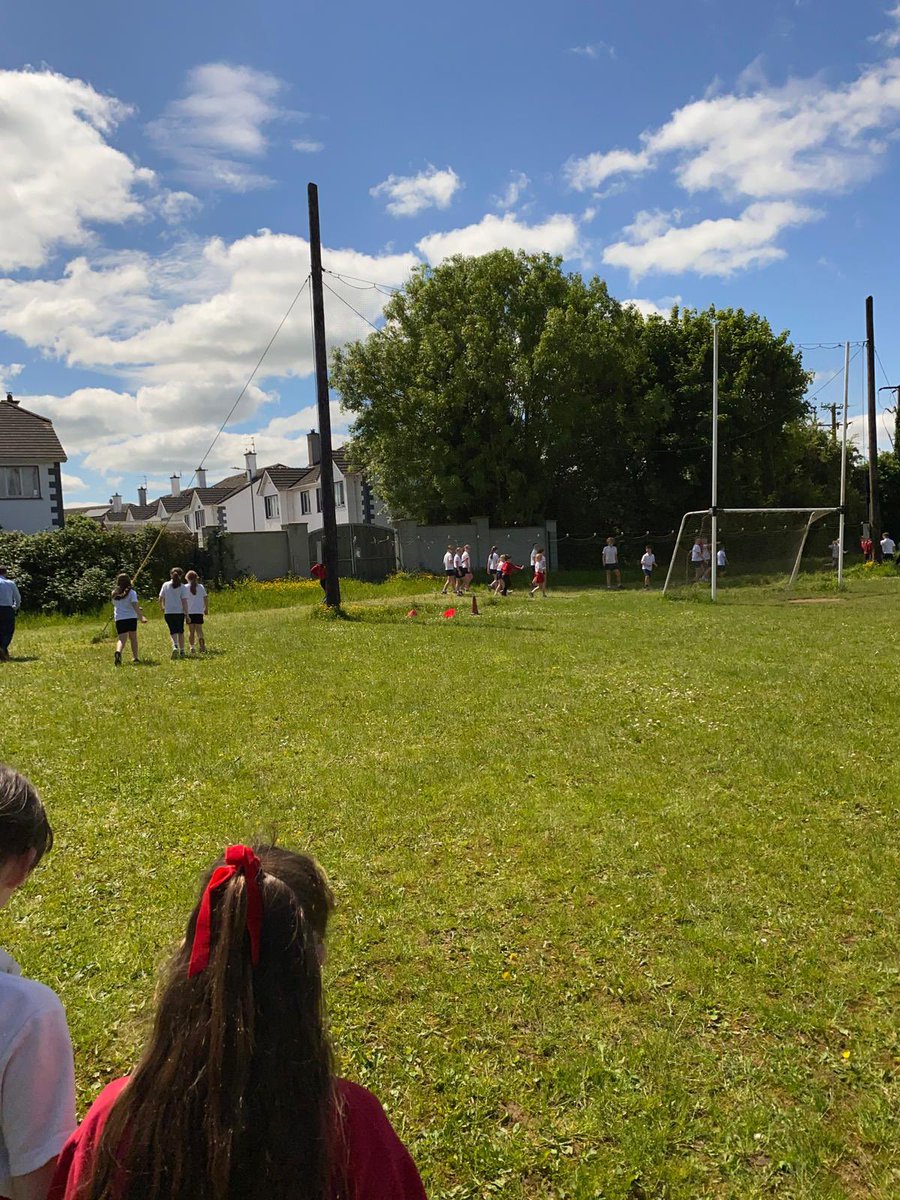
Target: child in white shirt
648, 562
37, 1097
173, 603
610, 558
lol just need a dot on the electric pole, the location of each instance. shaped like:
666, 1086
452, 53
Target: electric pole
832, 408
874, 502
895, 412
320, 354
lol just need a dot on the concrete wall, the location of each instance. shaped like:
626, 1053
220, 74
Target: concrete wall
271, 555
28, 515
422, 547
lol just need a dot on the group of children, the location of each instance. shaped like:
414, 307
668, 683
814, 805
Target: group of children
500, 568
182, 598
234, 1094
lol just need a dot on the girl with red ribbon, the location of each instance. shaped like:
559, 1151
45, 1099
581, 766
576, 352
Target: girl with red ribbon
234, 1097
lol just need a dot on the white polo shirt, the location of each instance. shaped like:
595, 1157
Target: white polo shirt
171, 597
37, 1077
9, 594
196, 600
610, 556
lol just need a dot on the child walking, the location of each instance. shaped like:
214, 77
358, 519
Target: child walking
197, 609
126, 614
37, 1099
648, 562
173, 604
610, 558
234, 1095
539, 582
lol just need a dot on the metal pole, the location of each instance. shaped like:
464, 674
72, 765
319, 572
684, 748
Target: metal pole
842, 517
675, 549
874, 502
320, 353
715, 463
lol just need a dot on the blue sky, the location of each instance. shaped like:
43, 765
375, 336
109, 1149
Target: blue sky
153, 219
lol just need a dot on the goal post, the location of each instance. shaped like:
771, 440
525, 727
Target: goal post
759, 544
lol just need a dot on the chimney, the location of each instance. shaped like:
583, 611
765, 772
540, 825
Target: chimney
176, 484
142, 497
313, 448
116, 502
9, 400
250, 464
201, 476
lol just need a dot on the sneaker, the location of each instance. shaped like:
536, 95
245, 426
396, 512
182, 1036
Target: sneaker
117, 658
192, 649
181, 654
174, 652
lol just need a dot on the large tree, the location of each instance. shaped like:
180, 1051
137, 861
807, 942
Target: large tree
503, 386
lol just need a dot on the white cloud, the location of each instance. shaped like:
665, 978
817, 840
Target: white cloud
513, 191
650, 308
890, 37
60, 175
558, 234
8, 372
654, 245
412, 194
307, 146
73, 483
591, 171
594, 50
176, 207
182, 333
218, 128
776, 142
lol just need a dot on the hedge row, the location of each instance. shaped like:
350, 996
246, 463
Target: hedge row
73, 569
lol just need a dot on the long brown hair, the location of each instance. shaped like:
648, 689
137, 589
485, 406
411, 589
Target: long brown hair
233, 1097
193, 578
122, 588
177, 577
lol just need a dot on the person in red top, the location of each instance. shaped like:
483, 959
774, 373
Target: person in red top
318, 572
234, 1096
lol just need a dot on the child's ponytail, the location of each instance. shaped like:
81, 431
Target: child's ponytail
233, 1097
192, 577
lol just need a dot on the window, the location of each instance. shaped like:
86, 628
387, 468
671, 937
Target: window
304, 502
339, 493
273, 510
20, 483
199, 518
318, 499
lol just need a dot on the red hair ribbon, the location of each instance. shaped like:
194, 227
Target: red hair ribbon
238, 860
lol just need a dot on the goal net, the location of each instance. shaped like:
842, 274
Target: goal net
761, 546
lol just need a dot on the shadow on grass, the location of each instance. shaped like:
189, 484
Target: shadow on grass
18, 658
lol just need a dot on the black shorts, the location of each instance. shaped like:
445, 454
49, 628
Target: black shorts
175, 622
451, 571
195, 618
611, 566
128, 625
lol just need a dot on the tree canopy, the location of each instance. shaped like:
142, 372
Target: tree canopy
502, 386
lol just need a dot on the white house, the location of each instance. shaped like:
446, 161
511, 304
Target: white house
257, 499
30, 470
279, 495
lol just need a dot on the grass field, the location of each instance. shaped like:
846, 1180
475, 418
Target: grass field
617, 876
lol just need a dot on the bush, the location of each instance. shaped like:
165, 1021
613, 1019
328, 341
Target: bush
73, 569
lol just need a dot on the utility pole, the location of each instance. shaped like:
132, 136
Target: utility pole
833, 409
320, 354
874, 501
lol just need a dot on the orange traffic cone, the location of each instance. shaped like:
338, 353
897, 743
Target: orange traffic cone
475, 612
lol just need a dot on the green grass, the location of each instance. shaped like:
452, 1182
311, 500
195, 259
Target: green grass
617, 877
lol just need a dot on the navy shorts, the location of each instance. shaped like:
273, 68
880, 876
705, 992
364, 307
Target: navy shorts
128, 625
175, 622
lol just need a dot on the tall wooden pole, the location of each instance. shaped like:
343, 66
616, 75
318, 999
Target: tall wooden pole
874, 501
320, 354
714, 506
843, 517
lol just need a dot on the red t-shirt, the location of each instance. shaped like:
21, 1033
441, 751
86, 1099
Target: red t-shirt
317, 571
379, 1165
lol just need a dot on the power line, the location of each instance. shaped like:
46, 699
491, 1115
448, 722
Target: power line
338, 296
219, 431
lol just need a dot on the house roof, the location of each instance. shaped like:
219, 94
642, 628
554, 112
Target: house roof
286, 477
26, 438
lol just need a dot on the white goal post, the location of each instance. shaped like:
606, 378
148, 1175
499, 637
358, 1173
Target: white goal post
812, 514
